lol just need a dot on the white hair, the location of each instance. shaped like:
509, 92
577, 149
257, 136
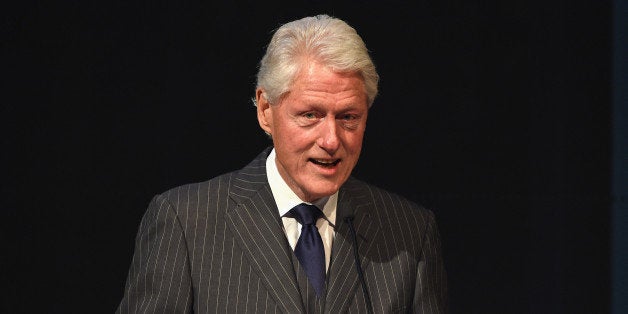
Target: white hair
329, 41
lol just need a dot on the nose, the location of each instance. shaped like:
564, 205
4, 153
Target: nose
328, 137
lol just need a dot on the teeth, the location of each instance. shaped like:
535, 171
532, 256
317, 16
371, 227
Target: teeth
325, 162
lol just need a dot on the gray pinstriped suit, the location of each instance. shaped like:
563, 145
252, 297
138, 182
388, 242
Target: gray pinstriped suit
218, 246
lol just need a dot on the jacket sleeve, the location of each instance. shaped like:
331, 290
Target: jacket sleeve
159, 275
430, 293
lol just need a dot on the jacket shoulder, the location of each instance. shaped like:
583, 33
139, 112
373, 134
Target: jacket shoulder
400, 220
214, 193
197, 195
392, 199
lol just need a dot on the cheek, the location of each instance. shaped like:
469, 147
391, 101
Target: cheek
353, 143
296, 148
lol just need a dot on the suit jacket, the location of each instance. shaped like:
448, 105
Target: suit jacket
219, 246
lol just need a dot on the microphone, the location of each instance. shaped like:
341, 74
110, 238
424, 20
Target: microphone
358, 265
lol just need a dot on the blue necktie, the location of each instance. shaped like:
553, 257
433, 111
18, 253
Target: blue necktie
309, 249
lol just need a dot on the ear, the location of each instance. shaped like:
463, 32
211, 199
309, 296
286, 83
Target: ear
264, 111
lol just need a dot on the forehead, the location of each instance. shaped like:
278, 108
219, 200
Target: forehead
315, 79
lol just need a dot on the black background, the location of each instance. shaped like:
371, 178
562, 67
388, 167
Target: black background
494, 114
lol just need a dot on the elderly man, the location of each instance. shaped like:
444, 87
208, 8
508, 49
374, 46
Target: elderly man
293, 232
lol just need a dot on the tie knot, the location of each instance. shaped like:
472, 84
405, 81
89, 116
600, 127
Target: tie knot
306, 214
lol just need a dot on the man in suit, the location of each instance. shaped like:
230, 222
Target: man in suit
293, 232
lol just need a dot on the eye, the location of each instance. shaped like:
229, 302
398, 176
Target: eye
350, 121
307, 118
309, 115
348, 117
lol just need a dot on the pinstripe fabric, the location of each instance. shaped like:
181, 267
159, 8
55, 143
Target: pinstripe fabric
311, 303
219, 247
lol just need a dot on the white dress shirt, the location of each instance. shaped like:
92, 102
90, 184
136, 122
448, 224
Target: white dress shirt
286, 199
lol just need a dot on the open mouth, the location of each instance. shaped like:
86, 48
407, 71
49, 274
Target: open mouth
327, 163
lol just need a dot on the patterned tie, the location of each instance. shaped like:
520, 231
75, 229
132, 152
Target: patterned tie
309, 249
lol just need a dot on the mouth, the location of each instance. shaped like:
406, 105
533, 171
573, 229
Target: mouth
327, 163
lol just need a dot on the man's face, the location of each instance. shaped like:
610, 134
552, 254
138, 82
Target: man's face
317, 129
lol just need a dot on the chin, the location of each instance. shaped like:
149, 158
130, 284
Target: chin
319, 192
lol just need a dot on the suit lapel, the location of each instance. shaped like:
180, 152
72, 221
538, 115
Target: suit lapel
354, 199
257, 229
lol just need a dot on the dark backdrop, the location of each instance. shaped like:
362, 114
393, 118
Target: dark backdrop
494, 114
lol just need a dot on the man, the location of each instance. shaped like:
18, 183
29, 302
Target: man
292, 232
